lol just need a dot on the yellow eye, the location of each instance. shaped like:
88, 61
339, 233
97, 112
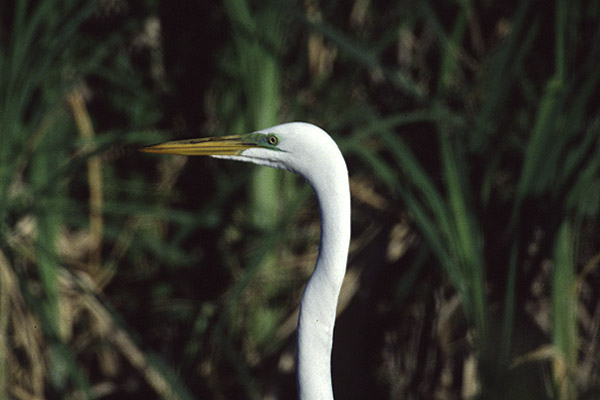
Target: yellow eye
273, 140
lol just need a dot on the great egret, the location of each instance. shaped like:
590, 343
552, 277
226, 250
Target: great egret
309, 151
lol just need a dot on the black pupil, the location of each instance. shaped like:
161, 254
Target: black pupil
272, 140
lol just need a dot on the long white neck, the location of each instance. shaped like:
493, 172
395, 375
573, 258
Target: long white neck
319, 301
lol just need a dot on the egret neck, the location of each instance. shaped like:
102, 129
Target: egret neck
319, 300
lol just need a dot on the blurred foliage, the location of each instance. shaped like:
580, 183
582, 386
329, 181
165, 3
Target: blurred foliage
471, 132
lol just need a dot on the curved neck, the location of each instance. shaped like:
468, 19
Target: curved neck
319, 300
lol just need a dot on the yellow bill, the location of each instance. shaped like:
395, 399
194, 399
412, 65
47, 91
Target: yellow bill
213, 146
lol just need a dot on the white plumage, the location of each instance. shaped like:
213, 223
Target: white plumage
309, 151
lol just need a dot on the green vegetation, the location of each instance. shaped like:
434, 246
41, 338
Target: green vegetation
472, 136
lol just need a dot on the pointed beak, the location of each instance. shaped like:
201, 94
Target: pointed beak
214, 146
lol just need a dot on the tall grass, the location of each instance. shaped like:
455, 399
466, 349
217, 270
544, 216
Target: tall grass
33, 143
449, 216
49, 286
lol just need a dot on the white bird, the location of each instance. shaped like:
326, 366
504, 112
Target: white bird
309, 151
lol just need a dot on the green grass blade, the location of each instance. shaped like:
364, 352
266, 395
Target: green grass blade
564, 313
465, 240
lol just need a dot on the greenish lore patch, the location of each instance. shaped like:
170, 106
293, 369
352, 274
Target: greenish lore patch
262, 140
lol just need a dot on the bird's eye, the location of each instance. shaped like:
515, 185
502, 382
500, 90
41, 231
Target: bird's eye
273, 140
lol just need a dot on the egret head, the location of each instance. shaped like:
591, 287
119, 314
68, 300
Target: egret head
295, 146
